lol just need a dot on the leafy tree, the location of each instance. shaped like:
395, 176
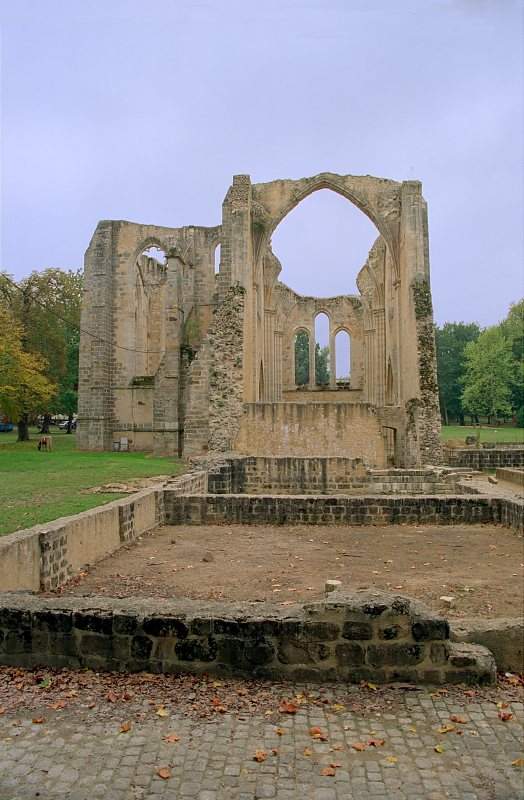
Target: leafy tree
489, 374
24, 389
513, 329
451, 341
321, 365
46, 306
301, 358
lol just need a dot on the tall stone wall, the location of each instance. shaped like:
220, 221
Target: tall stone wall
350, 430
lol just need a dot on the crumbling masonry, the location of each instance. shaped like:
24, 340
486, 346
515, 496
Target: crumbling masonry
180, 359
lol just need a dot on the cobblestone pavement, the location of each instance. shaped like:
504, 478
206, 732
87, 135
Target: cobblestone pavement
74, 755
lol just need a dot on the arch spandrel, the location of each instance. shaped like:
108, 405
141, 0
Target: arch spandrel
378, 198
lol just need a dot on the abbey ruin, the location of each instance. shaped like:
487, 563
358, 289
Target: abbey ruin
179, 359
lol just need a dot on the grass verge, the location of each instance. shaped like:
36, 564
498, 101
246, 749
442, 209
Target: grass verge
37, 487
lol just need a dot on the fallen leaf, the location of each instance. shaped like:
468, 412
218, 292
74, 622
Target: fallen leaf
335, 765
439, 748
111, 697
162, 712
446, 729
505, 716
360, 746
57, 705
337, 747
2, 710
502, 705
328, 772
260, 755
307, 751
125, 727
171, 738
274, 751
317, 733
519, 762
459, 719
280, 731
164, 773
338, 707
376, 742
368, 685
391, 759
38, 720
286, 707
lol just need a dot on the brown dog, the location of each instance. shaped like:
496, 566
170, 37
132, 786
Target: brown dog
45, 443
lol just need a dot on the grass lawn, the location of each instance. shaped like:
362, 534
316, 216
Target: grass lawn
37, 487
490, 434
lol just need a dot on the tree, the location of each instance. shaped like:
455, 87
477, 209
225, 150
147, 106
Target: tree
46, 306
513, 329
301, 358
451, 341
321, 365
489, 374
24, 389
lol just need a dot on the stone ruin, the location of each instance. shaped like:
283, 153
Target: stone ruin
179, 359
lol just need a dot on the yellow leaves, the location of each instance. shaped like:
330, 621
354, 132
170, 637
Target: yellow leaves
307, 752
125, 727
439, 748
336, 707
367, 685
162, 712
280, 731
391, 759
447, 729
164, 773
519, 762
171, 738
260, 755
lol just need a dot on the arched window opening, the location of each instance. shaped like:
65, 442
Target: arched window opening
343, 359
301, 358
217, 259
322, 360
156, 253
322, 245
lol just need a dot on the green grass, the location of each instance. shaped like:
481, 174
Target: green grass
487, 434
36, 487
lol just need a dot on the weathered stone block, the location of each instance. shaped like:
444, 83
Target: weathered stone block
349, 655
427, 629
197, 649
97, 622
165, 626
357, 630
395, 654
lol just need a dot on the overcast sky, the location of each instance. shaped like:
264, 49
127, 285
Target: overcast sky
116, 109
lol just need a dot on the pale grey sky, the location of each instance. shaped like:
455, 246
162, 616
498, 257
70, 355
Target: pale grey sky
117, 109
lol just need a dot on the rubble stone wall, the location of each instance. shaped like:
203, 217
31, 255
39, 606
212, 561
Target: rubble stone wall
484, 458
336, 509
369, 636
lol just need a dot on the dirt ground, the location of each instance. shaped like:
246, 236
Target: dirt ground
479, 566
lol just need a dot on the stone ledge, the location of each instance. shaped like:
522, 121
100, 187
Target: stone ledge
352, 637
503, 637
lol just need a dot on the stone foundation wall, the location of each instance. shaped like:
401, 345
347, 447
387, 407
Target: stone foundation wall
484, 458
46, 556
339, 510
511, 475
293, 475
347, 430
368, 636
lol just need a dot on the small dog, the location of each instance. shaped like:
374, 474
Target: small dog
45, 443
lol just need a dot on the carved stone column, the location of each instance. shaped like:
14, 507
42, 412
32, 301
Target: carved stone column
380, 357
